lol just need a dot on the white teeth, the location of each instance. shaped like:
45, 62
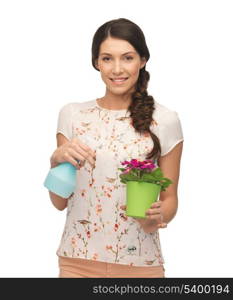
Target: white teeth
119, 80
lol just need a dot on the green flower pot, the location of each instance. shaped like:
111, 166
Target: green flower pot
140, 196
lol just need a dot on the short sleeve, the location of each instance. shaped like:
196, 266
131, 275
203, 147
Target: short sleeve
64, 123
170, 132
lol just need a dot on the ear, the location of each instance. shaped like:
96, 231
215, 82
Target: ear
143, 62
96, 64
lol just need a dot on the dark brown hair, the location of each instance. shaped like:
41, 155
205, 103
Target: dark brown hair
142, 105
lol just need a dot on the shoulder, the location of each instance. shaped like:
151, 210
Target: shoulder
167, 127
164, 116
74, 107
163, 113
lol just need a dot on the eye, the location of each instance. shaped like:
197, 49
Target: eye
129, 57
106, 58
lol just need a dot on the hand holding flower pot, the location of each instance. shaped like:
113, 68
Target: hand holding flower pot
144, 182
153, 217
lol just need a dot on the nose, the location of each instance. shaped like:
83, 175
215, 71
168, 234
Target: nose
117, 68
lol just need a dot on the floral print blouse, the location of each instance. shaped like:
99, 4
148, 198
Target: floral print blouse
96, 227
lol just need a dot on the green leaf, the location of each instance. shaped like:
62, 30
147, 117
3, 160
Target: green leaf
155, 177
128, 177
157, 173
148, 177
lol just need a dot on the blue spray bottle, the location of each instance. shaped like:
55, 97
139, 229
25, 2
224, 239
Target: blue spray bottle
61, 180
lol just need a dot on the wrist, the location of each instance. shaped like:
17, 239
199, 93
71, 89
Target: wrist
149, 226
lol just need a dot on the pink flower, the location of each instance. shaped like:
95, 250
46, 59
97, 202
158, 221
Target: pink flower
136, 164
127, 170
125, 163
146, 171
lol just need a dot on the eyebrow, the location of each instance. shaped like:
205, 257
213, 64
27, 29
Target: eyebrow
122, 54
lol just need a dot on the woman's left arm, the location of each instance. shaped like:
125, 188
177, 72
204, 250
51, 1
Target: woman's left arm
163, 211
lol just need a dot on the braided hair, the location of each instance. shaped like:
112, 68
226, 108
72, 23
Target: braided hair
142, 105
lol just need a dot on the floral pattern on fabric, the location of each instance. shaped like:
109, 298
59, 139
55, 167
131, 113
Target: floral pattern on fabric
96, 228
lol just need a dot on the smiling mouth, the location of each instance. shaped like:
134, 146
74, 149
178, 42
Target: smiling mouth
118, 81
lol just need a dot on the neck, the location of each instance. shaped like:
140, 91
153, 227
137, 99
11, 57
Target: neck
113, 101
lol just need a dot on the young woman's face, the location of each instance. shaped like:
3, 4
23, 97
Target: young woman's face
119, 65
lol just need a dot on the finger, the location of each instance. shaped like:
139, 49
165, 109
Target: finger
76, 156
81, 155
80, 163
156, 204
153, 217
83, 146
154, 211
123, 207
71, 160
72, 157
87, 156
162, 225
91, 152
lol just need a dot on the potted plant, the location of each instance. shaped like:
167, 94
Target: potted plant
144, 181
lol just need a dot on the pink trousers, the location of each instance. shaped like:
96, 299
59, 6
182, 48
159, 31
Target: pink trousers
86, 268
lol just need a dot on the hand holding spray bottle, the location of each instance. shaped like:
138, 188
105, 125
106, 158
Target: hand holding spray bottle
61, 180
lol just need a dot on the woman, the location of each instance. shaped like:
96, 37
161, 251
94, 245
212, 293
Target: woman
99, 240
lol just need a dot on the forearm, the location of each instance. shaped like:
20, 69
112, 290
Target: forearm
59, 202
169, 208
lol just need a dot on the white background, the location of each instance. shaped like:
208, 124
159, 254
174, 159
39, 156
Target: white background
45, 62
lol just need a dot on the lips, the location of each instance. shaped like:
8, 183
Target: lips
119, 79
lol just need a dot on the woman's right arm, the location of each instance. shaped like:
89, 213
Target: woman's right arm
70, 152
59, 202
